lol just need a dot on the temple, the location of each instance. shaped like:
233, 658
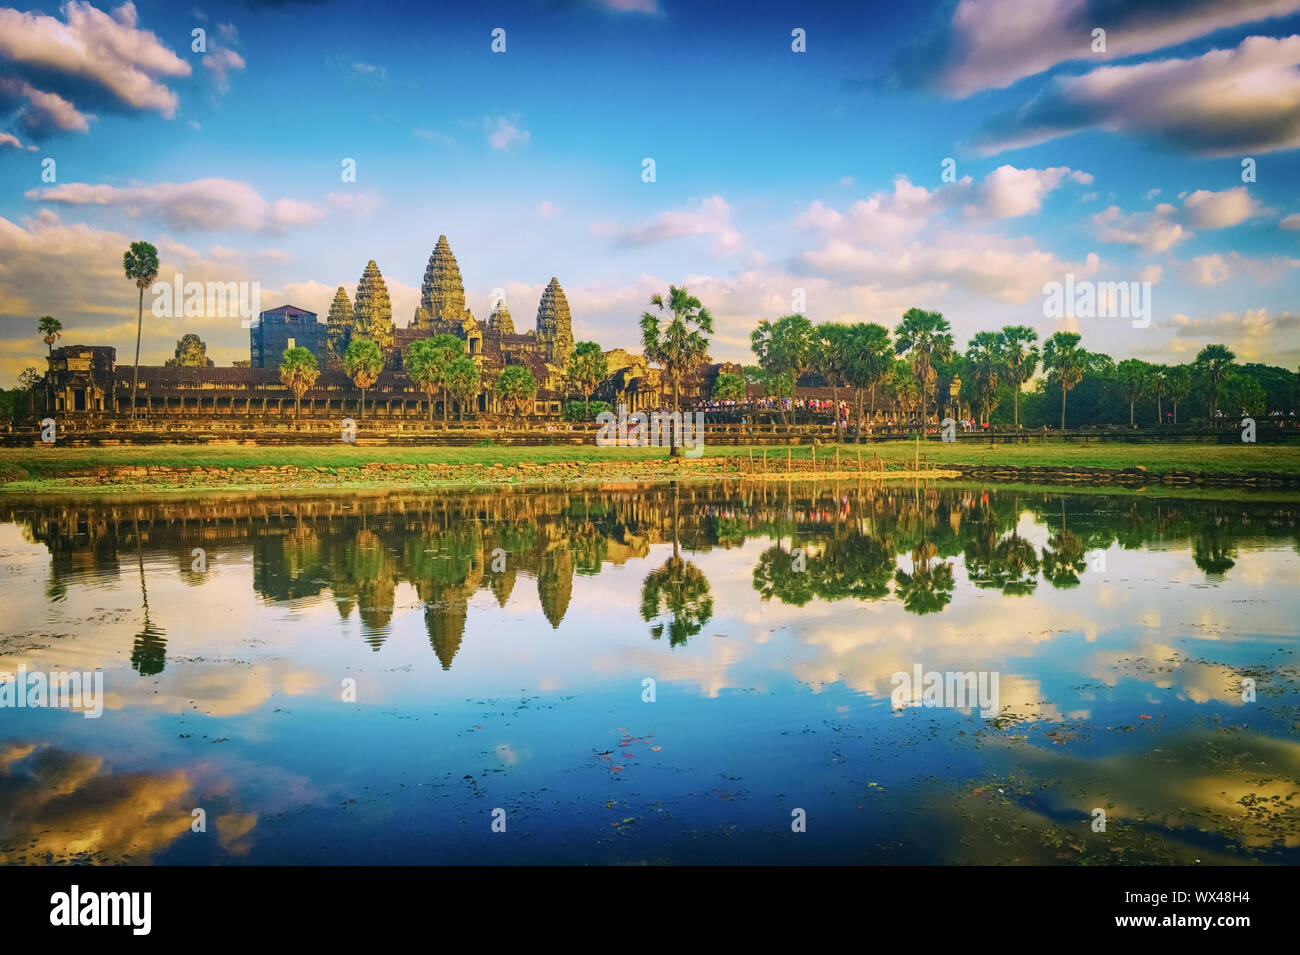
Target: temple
87, 380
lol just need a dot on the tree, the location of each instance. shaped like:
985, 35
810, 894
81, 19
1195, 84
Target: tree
729, 387
903, 383
1213, 364
463, 380
870, 362
677, 343
784, 347
1018, 351
51, 330
428, 360
339, 326
830, 358
516, 387
1065, 362
298, 372
1160, 389
1178, 380
191, 352
1243, 394
140, 263
587, 368
372, 313
925, 338
1134, 380
363, 361
984, 365
29, 378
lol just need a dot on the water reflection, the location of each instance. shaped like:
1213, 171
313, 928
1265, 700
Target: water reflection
498, 642
860, 543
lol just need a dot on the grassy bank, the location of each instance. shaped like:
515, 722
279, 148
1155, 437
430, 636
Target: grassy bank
50, 469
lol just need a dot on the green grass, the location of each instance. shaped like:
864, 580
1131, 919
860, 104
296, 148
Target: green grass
46, 463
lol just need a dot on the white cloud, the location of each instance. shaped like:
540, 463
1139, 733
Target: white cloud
1291, 222
1163, 227
990, 44
505, 132
215, 203
1233, 102
93, 55
708, 217
220, 61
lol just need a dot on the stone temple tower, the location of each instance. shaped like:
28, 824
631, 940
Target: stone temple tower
442, 296
500, 320
554, 324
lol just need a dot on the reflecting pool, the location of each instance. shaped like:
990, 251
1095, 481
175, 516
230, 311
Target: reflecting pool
632, 675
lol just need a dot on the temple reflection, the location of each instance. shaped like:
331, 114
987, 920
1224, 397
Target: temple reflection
826, 542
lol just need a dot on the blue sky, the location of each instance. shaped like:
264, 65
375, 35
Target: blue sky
775, 170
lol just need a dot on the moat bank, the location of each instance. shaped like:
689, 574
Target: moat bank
190, 468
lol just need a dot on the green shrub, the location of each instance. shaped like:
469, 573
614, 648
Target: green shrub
577, 410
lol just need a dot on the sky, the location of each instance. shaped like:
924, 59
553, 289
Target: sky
850, 161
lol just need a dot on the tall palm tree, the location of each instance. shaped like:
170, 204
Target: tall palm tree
1213, 364
462, 379
1179, 381
925, 337
1135, 381
830, 359
51, 330
677, 343
516, 388
587, 368
1160, 389
1019, 353
363, 361
870, 361
1065, 363
985, 364
140, 262
298, 372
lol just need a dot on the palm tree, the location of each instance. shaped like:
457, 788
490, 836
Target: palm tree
587, 368
51, 330
363, 361
984, 358
140, 262
870, 361
784, 348
924, 337
903, 383
1018, 351
516, 388
462, 380
1134, 380
1160, 389
1213, 364
830, 359
1179, 381
678, 589
298, 372
1065, 363
677, 344
423, 364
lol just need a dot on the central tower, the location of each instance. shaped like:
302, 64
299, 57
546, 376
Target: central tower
442, 296
554, 324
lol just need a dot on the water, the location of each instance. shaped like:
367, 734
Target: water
500, 645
